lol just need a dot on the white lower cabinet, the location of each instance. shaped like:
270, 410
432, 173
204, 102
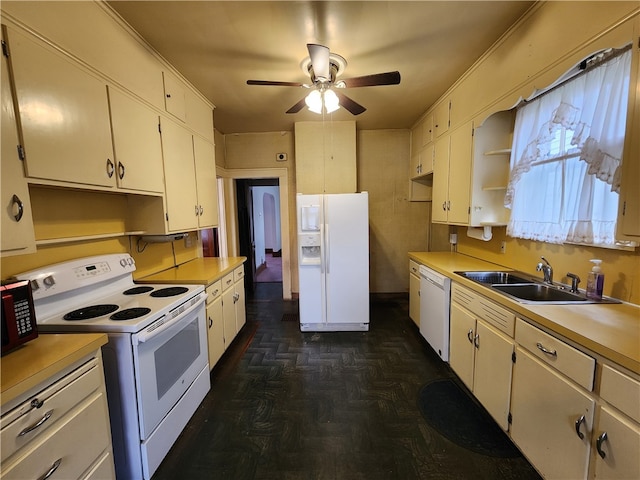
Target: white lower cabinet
482, 357
617, 444
215, 325
60, 431
233, 304
552, 419
414, 292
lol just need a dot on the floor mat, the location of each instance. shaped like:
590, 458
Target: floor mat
455, 415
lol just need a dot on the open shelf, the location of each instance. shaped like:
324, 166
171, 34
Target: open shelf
501, 151
490, 188
57, 241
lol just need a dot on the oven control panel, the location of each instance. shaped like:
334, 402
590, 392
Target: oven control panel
92, 270
74, 274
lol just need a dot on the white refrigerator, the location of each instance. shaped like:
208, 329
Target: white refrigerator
333, 262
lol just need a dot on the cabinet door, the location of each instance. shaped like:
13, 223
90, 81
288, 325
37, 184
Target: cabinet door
492, 373
180, 177
628, 226
440, 180
18, 236
545, 408
215, 332
136, 142
240, 307
174, 96
205, 158
64, 115
414, 298
461, 344
229, 316
441, 116
460, 175
620, 446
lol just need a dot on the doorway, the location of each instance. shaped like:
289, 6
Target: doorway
259, 229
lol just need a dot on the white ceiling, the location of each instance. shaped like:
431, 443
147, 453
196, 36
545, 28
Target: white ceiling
219, 45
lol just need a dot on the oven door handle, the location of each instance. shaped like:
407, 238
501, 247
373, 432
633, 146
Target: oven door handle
146, 335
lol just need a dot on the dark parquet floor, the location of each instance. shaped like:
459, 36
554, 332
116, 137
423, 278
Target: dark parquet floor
341, 406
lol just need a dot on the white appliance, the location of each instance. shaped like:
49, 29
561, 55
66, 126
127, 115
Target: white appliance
333, 261
435, 297
156, 360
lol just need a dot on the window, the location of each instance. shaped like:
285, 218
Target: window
566, 153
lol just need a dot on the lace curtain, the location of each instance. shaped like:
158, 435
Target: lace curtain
565, 158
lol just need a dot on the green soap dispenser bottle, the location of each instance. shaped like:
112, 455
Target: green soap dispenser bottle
595, 280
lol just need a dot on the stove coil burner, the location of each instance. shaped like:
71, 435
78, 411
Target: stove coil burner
92, 311
137, 290
169, 291
130, 313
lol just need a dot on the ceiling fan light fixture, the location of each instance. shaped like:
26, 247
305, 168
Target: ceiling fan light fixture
314, 101
331, 101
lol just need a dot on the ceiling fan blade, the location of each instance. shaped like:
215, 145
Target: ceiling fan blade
350, 105
297, 107
279, 84
319, 55
388, 78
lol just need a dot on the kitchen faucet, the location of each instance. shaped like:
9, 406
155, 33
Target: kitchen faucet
547, 271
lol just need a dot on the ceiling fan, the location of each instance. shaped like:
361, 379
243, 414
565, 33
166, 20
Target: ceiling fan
324, 67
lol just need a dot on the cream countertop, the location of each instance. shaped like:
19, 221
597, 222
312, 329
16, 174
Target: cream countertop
39, 359
609, 330
202, 271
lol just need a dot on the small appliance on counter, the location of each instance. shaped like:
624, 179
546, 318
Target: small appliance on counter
18, 315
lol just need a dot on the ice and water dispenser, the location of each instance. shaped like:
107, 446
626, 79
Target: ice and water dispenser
310, 235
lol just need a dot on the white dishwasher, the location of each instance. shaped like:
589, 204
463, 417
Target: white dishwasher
435, 295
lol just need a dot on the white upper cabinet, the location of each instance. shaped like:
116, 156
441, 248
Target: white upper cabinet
442, 118
18, 235
180, 177
136, 144
63, 113
174, 96
205, 163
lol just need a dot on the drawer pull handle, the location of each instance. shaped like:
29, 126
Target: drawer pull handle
470, 335
601, 438
476, 341
51, 471
579, 422
542, 348
31, 428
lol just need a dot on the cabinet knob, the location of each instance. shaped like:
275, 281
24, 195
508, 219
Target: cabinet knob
579, 422
17, 207
601, 438
110, 168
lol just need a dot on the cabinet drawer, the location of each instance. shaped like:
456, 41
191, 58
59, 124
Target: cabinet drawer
78, 440
227, 281
213, 291
57, 400
102, 469
621, 391
483, 308
414, 268
571, 362
238, 273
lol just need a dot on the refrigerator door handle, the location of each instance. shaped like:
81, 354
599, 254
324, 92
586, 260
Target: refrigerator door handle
327, 251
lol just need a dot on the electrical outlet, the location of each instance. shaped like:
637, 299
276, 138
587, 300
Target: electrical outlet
188, 241
503, 247
453, 238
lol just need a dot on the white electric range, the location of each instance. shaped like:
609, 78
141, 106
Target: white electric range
155, 362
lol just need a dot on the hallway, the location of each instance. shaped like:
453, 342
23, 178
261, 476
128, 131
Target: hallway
342, 406
272, 272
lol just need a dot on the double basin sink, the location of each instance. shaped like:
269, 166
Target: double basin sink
527, 289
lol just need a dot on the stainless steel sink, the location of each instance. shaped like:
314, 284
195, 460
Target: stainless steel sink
525, 288
496, 278
534, 292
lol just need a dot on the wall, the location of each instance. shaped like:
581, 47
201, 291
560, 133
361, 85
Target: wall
396, 225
